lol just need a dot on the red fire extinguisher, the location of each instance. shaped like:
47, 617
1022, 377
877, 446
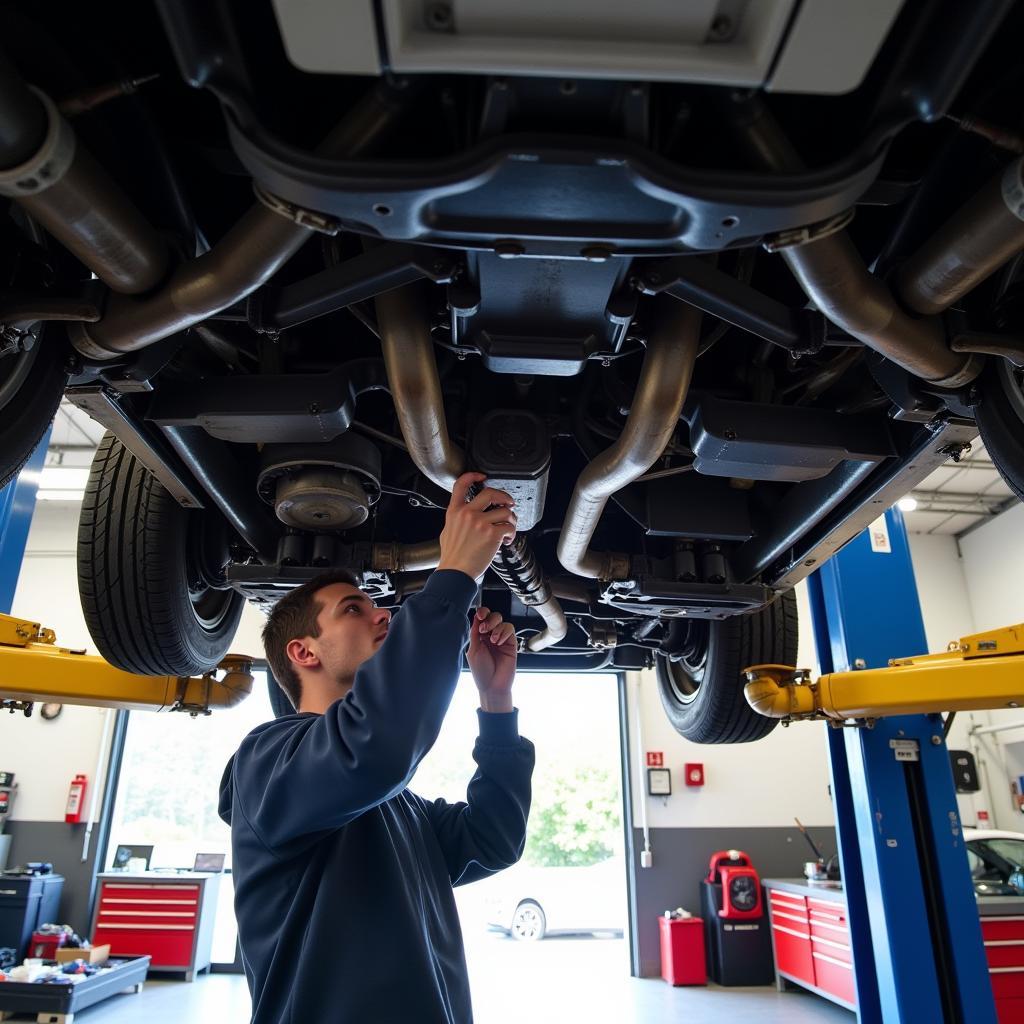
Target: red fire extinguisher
76, 800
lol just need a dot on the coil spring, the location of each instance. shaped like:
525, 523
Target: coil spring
519, 570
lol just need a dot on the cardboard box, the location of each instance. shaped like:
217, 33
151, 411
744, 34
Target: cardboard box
96, 955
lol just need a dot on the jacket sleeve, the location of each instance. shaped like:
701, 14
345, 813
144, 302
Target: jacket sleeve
297, 779
487, 831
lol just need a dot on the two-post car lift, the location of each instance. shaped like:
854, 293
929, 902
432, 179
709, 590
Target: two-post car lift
916, 938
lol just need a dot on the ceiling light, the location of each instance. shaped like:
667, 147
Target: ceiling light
907, 504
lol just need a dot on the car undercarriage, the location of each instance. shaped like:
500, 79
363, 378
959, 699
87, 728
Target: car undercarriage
705, 321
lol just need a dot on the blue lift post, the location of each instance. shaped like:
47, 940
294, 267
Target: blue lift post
17, 503
915, 931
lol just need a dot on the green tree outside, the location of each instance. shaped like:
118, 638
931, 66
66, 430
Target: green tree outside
575, 819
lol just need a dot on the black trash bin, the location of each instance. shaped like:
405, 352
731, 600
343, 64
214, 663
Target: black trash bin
26, 902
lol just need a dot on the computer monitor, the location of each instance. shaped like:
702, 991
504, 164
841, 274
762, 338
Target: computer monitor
209, 862
124, 854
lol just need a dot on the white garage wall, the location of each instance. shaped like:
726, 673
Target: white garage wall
941, 588
993, 559
752, 785
247, 639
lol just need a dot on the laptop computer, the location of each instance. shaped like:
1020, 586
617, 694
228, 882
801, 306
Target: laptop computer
209, 862
124, 854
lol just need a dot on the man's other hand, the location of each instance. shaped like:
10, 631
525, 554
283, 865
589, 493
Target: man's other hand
492, 659
474, 530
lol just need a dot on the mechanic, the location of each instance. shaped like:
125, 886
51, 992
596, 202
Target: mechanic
343, 877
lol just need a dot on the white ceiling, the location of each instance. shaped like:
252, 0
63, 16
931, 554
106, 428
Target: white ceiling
960, 496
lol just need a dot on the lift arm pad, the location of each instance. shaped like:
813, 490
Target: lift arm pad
981, 672
34, 669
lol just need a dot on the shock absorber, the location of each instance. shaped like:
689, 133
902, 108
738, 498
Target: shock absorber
518, 568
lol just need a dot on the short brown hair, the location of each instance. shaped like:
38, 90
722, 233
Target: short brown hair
294, 616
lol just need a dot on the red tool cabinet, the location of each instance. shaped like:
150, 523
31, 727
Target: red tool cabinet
811, 940
811, 943
169, 917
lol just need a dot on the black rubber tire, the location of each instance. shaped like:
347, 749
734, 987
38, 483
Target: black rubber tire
137, 552
25, 415
703, 695
1000, 416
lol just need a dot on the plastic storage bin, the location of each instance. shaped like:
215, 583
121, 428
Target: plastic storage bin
682, 951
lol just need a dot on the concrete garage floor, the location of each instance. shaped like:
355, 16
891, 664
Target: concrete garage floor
558, 980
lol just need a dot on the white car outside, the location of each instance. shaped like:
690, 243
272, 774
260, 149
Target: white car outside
530, 903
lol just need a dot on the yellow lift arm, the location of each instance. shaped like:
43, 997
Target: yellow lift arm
980, 672
34, 669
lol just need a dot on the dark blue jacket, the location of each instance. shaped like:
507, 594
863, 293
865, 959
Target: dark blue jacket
343, 878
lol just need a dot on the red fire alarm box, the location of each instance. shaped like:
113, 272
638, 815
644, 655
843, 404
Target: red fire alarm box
76, 800
693, 774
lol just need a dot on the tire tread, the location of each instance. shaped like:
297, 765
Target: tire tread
131, 573
720, 713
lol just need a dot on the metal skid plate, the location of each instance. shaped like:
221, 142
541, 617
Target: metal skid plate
758, 441
670, 598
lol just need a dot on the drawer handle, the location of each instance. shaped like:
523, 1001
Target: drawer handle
789, 917
154, 903
142, 927
831, 927
832, 960
789, 931
149, 888
146, 913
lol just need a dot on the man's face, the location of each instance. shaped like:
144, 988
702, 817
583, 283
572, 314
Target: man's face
352, 629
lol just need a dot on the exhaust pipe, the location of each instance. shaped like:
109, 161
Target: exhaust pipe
832, 272
246, 258
416, 389
978, 239
654, 415
406, 557
46, 171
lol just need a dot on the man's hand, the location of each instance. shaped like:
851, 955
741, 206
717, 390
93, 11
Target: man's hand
474, 530
492, 659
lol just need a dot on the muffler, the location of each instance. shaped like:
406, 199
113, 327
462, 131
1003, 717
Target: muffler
653, 417
975, 242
